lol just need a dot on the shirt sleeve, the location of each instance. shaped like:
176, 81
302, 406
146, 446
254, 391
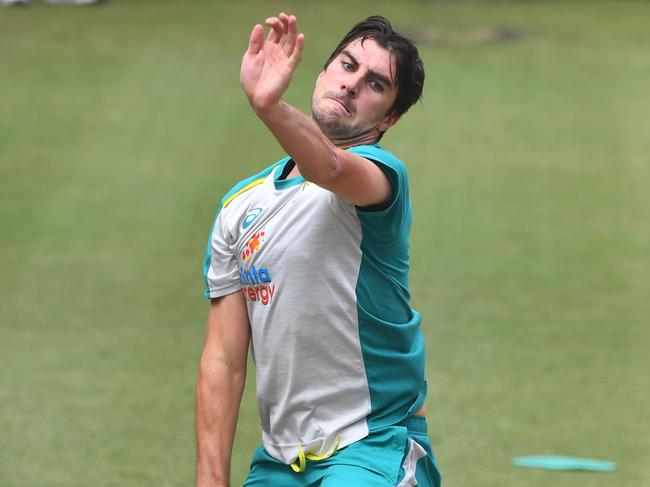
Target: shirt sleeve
394, 217
221, 267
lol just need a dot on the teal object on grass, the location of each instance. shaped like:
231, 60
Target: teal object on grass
554, 462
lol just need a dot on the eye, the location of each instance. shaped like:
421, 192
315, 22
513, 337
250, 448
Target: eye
376, 85
347, 66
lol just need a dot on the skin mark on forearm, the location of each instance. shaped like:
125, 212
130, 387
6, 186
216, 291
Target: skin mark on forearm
335, 163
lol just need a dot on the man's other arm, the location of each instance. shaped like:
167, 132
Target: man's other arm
220, 383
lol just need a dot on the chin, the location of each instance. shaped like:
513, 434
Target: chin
332, 122
325, 117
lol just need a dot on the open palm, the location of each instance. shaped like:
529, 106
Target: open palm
268, 64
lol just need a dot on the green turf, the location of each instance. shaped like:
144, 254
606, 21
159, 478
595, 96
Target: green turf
122, 125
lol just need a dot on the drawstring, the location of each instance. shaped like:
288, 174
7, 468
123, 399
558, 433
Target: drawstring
301, 464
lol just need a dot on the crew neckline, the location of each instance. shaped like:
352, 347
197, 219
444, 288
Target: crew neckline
286, 183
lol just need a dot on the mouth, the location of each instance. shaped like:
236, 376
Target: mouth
345, 107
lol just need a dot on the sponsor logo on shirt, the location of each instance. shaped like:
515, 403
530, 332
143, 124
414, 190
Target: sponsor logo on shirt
253, 245
250, 217
257, 284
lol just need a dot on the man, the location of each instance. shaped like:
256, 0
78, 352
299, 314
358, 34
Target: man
308, 260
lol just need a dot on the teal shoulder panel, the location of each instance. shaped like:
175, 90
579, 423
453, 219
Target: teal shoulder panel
389, 329
394, 219
224, 201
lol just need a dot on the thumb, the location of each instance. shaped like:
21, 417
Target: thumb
256, 40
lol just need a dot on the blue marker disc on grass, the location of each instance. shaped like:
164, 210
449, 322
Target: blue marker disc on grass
554, 462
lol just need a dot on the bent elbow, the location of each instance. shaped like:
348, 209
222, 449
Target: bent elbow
326, 171
334, 163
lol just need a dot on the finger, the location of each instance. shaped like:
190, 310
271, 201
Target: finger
276, 29
292, 34
296, 56
271, 37
284, 21
256, 40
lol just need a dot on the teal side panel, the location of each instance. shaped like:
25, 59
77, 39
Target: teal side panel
242, 184
389, 329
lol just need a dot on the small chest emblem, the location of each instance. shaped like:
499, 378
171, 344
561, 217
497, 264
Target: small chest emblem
250, 217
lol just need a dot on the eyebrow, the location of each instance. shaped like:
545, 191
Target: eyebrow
384, 79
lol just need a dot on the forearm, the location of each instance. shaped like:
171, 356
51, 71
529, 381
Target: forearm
315, 155
218, 396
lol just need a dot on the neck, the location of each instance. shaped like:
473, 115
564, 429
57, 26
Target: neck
368, 137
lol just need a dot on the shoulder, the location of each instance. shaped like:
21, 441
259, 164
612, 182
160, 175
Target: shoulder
249, 183
393, 218
376, 153
393, 167
237, 200
385, 159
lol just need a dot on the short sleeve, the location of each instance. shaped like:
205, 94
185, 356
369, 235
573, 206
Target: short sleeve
221, 268
395, 217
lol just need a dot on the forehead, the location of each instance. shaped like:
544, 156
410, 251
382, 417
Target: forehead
376, 58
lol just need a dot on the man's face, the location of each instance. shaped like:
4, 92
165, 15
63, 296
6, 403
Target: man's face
353, 95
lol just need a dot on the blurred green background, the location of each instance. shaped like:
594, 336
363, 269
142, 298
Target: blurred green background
122, 125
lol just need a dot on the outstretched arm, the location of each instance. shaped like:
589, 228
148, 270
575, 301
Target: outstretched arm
266, 71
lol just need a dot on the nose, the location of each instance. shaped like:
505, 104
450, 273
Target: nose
351, 85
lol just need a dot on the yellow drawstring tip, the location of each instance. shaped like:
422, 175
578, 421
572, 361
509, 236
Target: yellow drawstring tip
301, 464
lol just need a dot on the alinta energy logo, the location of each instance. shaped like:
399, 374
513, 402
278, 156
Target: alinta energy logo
256, 282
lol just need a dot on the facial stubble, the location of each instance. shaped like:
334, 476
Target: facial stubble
337, 129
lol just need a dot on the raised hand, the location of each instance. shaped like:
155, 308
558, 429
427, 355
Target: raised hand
268, 64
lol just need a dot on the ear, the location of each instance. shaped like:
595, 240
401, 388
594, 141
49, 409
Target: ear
388, 122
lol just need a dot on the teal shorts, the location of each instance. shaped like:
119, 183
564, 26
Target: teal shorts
395, 456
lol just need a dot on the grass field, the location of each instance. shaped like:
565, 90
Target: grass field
122, 125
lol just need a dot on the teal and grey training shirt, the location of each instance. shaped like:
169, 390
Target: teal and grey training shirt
338, 349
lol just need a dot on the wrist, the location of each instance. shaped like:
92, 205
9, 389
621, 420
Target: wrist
212, 477
268, 109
